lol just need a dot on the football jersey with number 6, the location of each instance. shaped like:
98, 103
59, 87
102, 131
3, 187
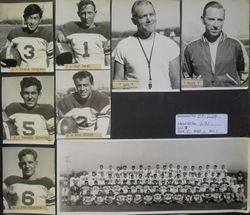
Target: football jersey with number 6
35, 48
31, 194
31, 122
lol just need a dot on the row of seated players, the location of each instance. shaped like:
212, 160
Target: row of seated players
76, 197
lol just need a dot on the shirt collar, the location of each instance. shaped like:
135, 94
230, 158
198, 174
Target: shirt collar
223, 36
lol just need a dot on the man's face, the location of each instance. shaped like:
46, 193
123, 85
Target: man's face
30, 96
145, 18
33, 21
213, 21
83, 87
87, 15
28, 165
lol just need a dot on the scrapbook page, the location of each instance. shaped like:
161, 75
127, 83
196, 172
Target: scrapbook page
124, 107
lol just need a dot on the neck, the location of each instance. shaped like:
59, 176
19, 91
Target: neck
29, 178
212, 39
143, 35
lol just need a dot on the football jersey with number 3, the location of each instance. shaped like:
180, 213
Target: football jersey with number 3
35, 48
30, 122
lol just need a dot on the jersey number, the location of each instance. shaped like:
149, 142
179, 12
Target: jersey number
28, 126
29, 51
27, 198
86, 49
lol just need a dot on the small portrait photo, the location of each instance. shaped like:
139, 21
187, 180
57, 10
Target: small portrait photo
83, 104
28, 180
82, 34
146, 45
28, 109
152, 176
26, 42
215, 45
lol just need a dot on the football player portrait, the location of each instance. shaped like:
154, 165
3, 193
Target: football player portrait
33, 41
28, 120
28, 193
88, 40
86, 110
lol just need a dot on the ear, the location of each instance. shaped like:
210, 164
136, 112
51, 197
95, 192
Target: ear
39, 94
21, 94
19, 165
203, 20
134, 20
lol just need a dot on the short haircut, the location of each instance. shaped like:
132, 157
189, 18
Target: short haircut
30, 81
83, 74
137, 3
85, 3
213, 4
25, 152
32, 9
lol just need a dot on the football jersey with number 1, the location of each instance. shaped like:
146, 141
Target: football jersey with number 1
89, 44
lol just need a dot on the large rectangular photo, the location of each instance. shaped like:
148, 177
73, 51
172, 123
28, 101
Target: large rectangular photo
215, 43
149, 176
26, 42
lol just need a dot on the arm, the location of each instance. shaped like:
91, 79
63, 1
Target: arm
118, 71
103, 125
106, 46
60, 37
50, 55
174, 73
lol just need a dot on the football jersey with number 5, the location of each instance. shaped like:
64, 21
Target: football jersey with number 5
31, 122
35, 48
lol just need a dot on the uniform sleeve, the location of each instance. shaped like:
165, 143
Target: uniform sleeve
50, 50
119, 53
10, 109
103, 105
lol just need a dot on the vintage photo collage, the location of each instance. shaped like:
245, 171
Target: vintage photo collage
60, 64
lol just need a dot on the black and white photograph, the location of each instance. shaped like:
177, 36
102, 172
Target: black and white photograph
83, 104
28, 109
26, 41
215, 42
152, 176
28, 180
83, 35
146, 45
